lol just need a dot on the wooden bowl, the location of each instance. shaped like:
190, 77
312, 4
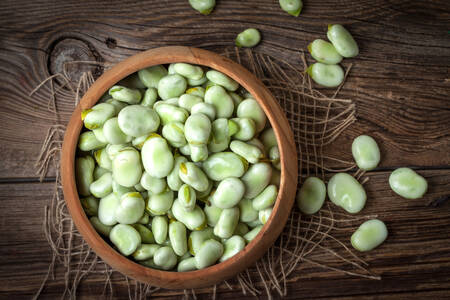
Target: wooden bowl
288, 184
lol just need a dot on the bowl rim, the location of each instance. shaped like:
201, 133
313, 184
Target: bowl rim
288, 178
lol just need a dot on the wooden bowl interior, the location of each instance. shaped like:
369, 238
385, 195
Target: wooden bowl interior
288, 158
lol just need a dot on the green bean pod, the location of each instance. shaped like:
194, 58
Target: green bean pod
125, 238
157, 157
218, 97
177, 236
121, 93
210, 251
84, 169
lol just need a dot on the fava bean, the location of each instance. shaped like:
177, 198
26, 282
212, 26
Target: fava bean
256, 179
366, 152
266, 198
292, 7
102, 159
118, 105
187, 197
241, 229
205, 7
248, 38
157, 157
84, 169
174, 133
102, 186
113, 134
126, 167
192, 175
196, 91
198, 153
249, 236
88, 142
188, 70
99, 135
159, 204
247, 212
145, 220
106, 209
170, 113
205, 193
153, 184
171, 86
204, 108
227, 223
138, 120
342, 40
254, 223
232, 246
251, 153
276, 177
324, 52
112, 150
369, 235
185, 150
274, 156
345, 191
210, 251
151, 76
130, 208
218, 97
150, 97
187, 101
119, 190
121, 93
165, 258
221, 165
188, 264
132, 81
125, 238
196, 239
220, 135
145, 251
237, 99
173, 179
264, 215
197, 129
249, 108
223, 197
145, 233
257, 143
212, 213
178, 240
222, 80
311, 196
326, 75
160, 227
97, 116
100, 227
269, 139
90, 205
246, 129
407, 183
139, 141
195, 82
194, 220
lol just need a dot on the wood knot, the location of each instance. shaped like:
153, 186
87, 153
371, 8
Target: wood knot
111, 43
73, 57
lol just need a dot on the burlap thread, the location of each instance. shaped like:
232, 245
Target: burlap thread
306, 241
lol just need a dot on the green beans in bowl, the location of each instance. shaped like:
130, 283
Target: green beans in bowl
170, 167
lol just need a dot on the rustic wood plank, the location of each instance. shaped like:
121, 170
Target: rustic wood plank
399, 81
415, 257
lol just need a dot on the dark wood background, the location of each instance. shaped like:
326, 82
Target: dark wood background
400, 83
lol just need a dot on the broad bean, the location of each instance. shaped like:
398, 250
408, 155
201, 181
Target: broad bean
249, 236
188, 264
205, 7
125, 238
266, 198
145, 233
165, 258
113, 134
324, 52
264, 215
249, 108
193, 220
170, 113
342, 40
188, 70
222, 80
126, 167
174, 133
102, 159
192, 175
248, 38
106, 209
197, 129
150, 97
119, 190
145, 251
88, 142
171, 86
187, 197
369, 235
100, 227
90, 205
292, 7
187, 101
102, 186
228, 193
256, 179
407, 183
173, 179
160, 227
247, 212
159, 204
326, 75
311, 196
366, 152
232, 246
130, 209
151, 76
138, 120
84, 169
212, 213
251, 153
153, 184
178, 240
246, 129
121, 93
210, 251
218, 97
97, 116
345, 191
157, 157
227, 223
221, 165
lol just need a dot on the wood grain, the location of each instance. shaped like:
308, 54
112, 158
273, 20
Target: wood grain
413, 259
399, 82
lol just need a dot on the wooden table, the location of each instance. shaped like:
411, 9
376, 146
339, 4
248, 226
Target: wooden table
400, 83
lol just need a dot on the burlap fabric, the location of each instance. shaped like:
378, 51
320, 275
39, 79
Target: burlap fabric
306, 242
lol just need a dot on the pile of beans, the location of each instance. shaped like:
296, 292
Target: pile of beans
178, 167
345, 191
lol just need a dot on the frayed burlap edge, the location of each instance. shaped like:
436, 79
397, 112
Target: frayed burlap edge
316, 120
